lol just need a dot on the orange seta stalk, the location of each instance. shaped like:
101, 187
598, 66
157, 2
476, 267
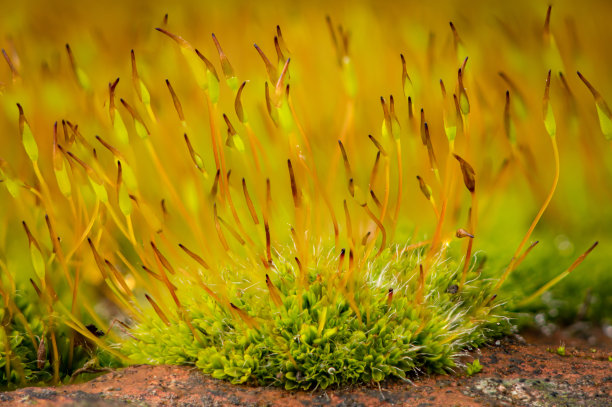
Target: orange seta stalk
549, 122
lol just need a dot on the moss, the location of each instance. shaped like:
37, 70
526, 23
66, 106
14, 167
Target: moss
314, 338
294, 218
27, 356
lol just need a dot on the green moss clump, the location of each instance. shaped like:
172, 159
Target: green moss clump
26, 353
317, 340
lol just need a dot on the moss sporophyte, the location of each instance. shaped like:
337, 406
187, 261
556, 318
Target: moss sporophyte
262, 221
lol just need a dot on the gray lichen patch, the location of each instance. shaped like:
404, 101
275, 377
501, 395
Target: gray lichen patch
534, 392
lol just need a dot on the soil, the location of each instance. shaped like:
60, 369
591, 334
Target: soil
516, 371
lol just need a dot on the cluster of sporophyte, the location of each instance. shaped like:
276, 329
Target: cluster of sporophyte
267, 230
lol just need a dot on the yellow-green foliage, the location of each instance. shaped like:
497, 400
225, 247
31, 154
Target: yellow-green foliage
473, 368
266, 211
315, 338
